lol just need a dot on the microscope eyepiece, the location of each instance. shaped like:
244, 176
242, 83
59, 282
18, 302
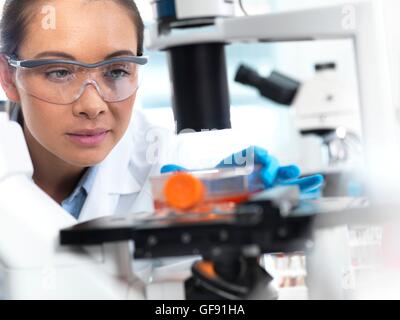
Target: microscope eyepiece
247, 76
277, 87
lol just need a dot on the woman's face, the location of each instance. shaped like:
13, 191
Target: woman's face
87, 31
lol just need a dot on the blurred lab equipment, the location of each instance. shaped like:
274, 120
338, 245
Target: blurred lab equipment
322, 107
362, 23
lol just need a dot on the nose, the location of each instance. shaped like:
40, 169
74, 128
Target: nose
90, 104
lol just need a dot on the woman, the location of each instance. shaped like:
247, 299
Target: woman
71, 70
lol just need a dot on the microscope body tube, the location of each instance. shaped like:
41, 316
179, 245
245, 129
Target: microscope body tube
200, 85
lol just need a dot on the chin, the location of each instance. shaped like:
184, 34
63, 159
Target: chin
87, 161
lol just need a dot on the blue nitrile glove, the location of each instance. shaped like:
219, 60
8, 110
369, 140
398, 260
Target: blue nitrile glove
172, 168
271, 173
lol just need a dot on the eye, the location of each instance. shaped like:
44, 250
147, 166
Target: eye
118, 71
116, 74
58, 74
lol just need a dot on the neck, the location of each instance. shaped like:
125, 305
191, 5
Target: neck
53, 175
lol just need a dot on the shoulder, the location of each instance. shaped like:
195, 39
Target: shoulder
142, 151
152, 143
147, 143
142, 128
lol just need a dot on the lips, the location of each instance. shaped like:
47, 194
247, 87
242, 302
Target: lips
88, 137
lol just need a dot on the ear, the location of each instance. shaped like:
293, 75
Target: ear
7, 80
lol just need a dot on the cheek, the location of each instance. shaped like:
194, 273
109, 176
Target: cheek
43, 120
122, 113
47, 125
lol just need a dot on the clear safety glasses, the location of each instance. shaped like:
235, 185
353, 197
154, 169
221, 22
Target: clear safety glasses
64, 81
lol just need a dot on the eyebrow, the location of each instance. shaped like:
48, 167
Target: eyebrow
71, 57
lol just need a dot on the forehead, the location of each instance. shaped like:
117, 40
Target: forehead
87, 30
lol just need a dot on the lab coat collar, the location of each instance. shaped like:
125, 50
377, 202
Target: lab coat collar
114, 178
117, 170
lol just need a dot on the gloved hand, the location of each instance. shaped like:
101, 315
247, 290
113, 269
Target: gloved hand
271, 173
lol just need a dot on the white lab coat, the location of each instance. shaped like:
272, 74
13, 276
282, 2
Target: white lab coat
122, 183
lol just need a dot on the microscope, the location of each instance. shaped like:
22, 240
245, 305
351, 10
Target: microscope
326, 115
44, 255
356, 128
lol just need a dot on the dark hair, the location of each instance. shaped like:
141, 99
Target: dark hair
17, 14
